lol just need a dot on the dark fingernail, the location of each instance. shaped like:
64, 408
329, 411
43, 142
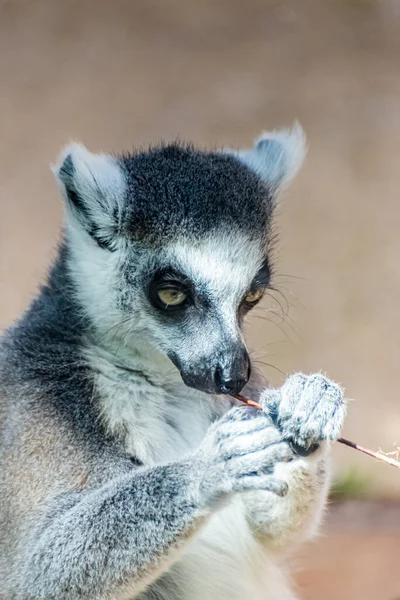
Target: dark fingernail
303, 451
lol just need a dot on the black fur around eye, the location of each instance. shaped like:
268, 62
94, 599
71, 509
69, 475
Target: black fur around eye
169, 295
263, 277
257, 288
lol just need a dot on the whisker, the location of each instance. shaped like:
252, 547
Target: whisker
294, 296
271, 366
123, 339
263, 355
288, 322
119, 324
273, 343
278, 325
274, 289
168, 374
286, 317
290, 276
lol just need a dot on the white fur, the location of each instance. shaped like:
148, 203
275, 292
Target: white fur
94, 272
98, 180
225, 264
226, 562
160, 418
277, 155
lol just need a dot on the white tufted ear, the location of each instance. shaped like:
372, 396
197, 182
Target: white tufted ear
93, 186
277, 156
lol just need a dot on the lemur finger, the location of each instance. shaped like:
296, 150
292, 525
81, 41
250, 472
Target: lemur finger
303, 398
267, 483
256, 462
238, 413
335, 415
312, 409
291, 396
246, 444
322, 400
243, 427
269, 400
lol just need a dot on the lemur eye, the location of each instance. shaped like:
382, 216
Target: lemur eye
254, 296
171, 296
170, 291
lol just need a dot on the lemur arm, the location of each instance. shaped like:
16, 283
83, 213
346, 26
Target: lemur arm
122, 535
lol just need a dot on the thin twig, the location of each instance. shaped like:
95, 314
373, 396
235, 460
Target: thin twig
378, 455
247, 401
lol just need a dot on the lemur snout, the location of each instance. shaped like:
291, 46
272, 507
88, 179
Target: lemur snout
228, 374
232, 378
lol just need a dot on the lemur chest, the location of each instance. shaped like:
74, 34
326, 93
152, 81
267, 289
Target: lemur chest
156, 423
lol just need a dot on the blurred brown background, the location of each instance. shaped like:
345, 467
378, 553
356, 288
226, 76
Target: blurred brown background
119, 73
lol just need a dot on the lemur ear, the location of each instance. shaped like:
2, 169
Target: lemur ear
93, 186
277, 156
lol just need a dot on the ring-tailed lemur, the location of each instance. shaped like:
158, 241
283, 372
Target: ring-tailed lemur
127, 469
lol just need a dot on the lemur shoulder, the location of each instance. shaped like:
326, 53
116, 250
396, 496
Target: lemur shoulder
127, 469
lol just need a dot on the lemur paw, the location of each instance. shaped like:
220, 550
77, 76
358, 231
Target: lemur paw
307, 409
240, 452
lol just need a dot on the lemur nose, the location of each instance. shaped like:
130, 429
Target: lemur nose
231, 386
227, 382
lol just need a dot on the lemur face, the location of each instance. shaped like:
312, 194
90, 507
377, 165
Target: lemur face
196, 296
172, 246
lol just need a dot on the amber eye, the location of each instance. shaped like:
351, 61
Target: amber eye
255, 296
171, 296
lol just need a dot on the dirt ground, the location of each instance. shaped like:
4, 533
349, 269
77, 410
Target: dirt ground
128, 72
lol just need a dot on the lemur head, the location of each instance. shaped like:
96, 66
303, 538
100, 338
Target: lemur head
171, 247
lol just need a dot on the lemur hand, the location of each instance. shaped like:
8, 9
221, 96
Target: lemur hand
239, 454
307, 409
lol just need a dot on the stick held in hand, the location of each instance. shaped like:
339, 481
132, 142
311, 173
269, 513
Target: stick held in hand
378, 455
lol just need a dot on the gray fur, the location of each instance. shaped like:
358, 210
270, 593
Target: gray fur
307, 409
117, 480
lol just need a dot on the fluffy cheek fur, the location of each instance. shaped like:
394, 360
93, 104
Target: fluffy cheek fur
108, 286
96, 276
